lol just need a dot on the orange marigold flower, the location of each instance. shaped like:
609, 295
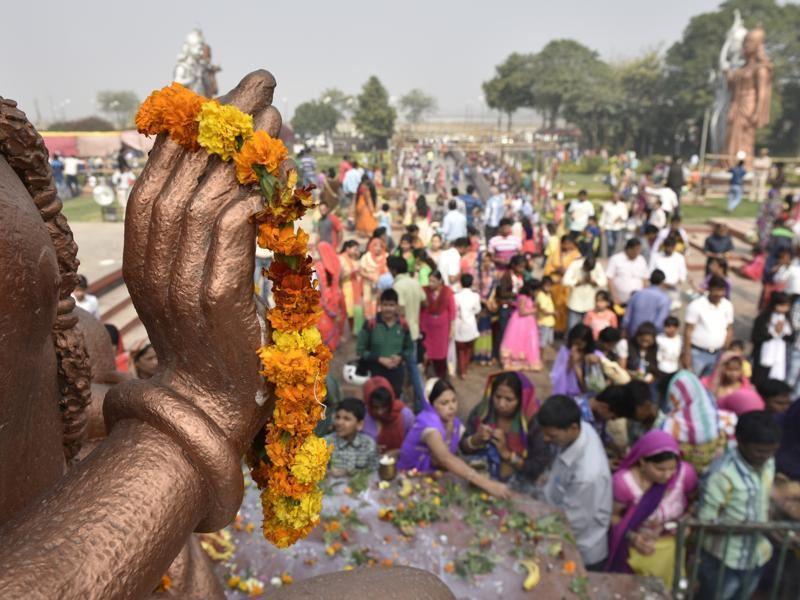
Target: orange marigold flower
173, 109
291, 321
283, 240
569, 567
283, 482
261, 149
299, 424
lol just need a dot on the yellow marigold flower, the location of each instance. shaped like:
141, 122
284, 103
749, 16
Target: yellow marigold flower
307, 339
311, 460
220, 125
297, 513
262, 149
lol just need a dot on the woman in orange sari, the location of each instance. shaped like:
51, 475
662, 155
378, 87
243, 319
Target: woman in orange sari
554, 268
371, 266
365, 208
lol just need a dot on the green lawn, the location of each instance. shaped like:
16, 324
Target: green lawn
82, 208
716, 207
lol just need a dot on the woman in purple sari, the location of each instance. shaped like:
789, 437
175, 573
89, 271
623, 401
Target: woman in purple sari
651, 492
432, 442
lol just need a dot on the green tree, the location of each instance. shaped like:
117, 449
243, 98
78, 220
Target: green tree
314, 118
92, 123
121, 104
416, 104
642, 89
343, 103
564, 70
512, 87
374, 116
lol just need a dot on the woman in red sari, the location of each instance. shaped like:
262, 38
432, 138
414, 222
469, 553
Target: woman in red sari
436, 321
331, 322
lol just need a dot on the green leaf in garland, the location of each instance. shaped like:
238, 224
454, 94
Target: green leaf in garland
266, 181
294, 262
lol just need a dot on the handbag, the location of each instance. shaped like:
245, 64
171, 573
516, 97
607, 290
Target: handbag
594, 379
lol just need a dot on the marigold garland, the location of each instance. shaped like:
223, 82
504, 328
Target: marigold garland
296, 361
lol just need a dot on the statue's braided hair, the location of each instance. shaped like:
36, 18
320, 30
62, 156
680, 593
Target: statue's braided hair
27, 155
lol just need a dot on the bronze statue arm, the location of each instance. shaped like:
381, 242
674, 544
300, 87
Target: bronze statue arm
170, 464
112, 527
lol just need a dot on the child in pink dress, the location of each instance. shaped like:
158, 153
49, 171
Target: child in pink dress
602, 316
519, 349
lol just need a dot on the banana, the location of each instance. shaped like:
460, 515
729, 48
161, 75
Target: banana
405, 489
532, 580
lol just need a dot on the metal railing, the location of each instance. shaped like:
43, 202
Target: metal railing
684, 585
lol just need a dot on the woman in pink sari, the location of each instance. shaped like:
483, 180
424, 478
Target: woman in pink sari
436, 321
371, 266
652, 489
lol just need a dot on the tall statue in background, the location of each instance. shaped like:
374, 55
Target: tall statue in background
751, 91
730, 59
194, 69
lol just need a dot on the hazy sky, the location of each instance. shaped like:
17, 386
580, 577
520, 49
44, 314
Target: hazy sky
62, 53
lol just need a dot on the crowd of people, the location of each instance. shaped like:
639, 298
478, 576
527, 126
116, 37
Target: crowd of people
654, 412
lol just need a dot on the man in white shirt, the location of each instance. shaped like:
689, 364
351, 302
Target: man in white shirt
612, 221
709, 328
454, 224
668, 197
580, 479
675, 230
627, 272
673, 264
71, 166
449, 264
579, 211
85, 300
352, 180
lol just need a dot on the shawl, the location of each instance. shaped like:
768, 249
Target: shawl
373, 262
693, 418
741, 401
652, 443
391, 433
527, 408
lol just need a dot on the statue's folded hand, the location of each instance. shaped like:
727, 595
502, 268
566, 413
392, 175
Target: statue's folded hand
188, 264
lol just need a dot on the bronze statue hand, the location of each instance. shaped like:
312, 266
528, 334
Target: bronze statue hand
188, 264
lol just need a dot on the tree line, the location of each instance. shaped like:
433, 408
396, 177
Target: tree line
655, 102
371, 111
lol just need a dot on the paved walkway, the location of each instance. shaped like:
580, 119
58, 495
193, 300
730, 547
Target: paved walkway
99, 247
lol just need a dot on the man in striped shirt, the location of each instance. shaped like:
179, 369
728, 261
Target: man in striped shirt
736, 490
504, 245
